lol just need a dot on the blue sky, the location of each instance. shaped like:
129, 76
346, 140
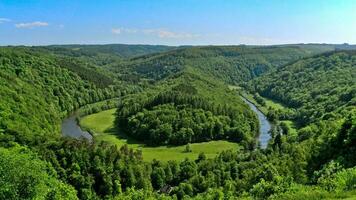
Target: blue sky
177, 22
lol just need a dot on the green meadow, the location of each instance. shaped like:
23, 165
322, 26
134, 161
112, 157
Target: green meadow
102, 126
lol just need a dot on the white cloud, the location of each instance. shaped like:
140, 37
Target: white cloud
161, 33
3, 20
175, 35
257, 40
31, 24
128, 30
118, 31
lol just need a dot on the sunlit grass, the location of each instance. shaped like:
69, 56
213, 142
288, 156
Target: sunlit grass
102, 125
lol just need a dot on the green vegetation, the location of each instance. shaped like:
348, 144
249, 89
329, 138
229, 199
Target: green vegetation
271, 109
36, 92
177, 113
177, 97
232, 64
320, 87
25, 176
102, 126
122, 50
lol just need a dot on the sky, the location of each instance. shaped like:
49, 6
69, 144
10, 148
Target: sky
177, 22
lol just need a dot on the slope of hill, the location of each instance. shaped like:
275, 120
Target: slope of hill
122, 50
322, 92
319, 87
38, 89
188, 108
39, 86
232, 64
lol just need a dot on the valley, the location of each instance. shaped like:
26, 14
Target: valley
103, 128
265, 125
177, 100
159, 115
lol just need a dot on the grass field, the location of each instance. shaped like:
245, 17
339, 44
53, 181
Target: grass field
102, 125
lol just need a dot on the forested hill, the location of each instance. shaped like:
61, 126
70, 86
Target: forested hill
176, 97
321, 94
319, 87
232, 64
122, 50
38, 89
188, 108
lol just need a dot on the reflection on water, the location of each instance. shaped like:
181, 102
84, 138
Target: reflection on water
72, 129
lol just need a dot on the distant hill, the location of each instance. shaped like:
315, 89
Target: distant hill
167, 96
122, 50
232, 64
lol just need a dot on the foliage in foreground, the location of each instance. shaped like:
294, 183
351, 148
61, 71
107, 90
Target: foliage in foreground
25, 176
37, 91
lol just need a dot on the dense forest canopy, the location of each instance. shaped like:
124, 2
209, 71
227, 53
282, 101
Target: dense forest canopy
172, 96
319, 87
186, 109
120, 50
38, 90
232, 64
321, 94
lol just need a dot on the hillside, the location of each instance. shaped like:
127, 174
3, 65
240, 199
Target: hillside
232, 64
121, 50
38, 90
321, 93
172, 98
320, 87
188, 108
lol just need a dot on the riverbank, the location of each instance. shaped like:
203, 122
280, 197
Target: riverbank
292, 128
265, 125
103, 128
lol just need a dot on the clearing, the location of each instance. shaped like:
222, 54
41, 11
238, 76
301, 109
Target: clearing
102, 126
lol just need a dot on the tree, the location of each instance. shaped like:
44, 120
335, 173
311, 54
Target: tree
24, 176
272, 115
284, 127
187, 149
277, 142
158, 177
201, 157
187, 169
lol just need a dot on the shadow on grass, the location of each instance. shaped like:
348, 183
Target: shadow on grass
120, 134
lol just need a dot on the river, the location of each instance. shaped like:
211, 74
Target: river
71, 128
265, 125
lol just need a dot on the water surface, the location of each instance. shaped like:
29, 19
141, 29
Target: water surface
265, 125
71, 128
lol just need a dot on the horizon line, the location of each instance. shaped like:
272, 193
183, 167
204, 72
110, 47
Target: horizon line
183, 45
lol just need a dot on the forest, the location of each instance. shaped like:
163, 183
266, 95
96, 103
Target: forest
184, 113
179, 96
